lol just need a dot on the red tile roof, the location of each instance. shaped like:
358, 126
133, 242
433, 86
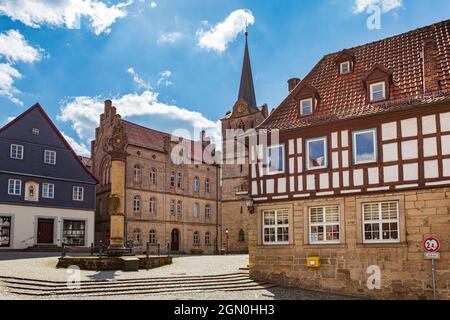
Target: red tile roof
150, 139
344, 97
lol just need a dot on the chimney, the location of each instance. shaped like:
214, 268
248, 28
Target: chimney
292, 83
108, 105
430, 67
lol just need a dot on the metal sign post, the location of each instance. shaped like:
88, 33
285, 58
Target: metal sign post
431, 247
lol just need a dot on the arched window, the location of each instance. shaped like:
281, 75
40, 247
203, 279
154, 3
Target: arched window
153, 176
137, 237
137, 204
152, 205
196, 183
207, 186
152, 236
172, 207
196, 238
106, 174
137, 173
196, 210
207, 238
172, 179
179, 208
179, 179
207, 211
241, 236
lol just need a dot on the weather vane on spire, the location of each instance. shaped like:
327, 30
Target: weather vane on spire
246, 28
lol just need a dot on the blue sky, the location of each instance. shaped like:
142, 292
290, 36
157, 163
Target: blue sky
171, 64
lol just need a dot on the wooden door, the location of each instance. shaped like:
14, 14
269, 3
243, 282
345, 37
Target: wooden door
175, 244
45, 231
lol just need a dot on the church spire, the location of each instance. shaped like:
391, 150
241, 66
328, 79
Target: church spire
247, 90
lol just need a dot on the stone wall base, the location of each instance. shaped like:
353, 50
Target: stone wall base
111, 263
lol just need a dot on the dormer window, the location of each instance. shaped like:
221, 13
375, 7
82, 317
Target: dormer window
306, 107
345, 67
378, 91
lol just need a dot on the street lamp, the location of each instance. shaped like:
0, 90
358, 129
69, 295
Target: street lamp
226, 237
250, 205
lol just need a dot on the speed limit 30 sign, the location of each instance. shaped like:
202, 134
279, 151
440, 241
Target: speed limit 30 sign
432, 245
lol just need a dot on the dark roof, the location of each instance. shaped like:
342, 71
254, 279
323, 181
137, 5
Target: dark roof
39, 108
143, 137
247, 89
344, 97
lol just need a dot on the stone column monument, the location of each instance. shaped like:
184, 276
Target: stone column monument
117, 146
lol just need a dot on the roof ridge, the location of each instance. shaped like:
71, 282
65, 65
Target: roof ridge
390, 37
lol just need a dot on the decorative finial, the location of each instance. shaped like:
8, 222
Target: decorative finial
246, 28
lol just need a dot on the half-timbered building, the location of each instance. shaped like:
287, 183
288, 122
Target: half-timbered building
360, 175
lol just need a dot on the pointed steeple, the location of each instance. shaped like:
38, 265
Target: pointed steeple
246, 89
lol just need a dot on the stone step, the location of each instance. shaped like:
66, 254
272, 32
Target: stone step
229, 282
250, 286
112, 285
50, 283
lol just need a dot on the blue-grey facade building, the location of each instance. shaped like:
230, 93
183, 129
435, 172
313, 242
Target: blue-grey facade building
47, 195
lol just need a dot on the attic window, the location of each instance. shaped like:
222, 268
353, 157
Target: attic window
378, 91
345, 67
35, 131
306, 107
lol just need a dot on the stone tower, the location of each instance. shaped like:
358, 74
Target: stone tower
245, 115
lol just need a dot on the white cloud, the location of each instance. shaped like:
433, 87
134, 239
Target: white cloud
80, 148
385, 5
83, 114
138, 80
164, 78
218, 37
169, 37
7, 76
153, 4
15, 48
68, 13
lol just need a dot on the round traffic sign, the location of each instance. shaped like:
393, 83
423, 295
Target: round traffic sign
432, 245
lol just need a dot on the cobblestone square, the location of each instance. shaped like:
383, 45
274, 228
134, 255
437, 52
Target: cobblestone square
188, 278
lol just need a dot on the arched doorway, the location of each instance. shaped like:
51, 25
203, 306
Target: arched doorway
175, 242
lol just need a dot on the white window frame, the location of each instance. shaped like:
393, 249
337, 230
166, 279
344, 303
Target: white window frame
153, 176
375, 145
207, 186
46, 190
196, 239
137, 204
275, 226
36, 131
372, 86
16, 183
137, 173
17, 148
76, 192
207, 238
196, 184
310, 100
325, 147
324, 224
152, 236
268, 160
153, 204
380, 222
50, 157
207, 211
196, 211
348, 65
